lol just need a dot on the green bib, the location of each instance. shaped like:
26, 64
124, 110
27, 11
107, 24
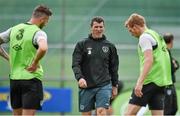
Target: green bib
160, 72
22, 52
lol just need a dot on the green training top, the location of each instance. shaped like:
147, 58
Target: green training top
22, 52
160, 72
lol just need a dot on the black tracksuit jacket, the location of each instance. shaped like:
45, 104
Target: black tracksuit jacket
96, 61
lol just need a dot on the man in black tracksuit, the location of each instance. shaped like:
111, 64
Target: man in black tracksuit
171, 105
95, 65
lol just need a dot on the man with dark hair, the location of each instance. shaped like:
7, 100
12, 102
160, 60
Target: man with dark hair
28, 45
155, 72
95, 65
171, 106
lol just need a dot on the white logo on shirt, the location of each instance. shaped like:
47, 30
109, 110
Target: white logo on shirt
89, 50
105, 49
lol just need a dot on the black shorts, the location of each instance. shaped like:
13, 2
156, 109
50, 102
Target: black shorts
171, 103
26, 94
153, 95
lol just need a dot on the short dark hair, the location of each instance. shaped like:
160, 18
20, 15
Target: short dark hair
41, 10
97, 19
168, 37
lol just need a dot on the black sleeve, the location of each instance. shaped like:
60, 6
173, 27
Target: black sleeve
76, 60
114, 65
175, 64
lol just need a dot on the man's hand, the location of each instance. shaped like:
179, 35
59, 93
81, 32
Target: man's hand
4, 54
82, 83
32, 68
175, 63
114, 92
138, 90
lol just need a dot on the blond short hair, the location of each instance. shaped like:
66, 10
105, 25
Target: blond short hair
135, 19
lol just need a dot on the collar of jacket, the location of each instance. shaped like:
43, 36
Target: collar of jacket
99, 39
